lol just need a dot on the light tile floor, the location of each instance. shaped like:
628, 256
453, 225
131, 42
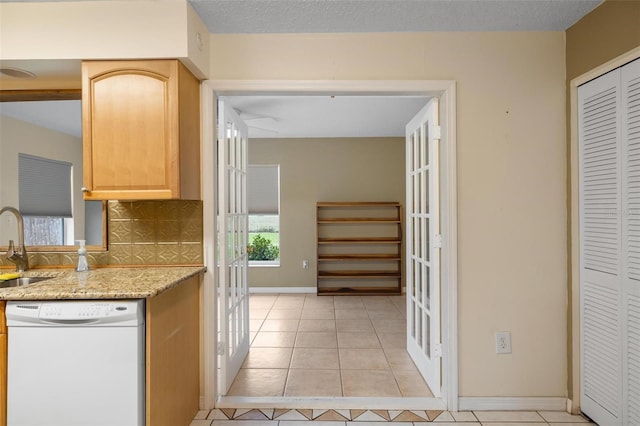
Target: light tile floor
328, 417
350, 338
309, 345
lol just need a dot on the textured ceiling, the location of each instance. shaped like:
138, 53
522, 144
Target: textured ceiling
330, 16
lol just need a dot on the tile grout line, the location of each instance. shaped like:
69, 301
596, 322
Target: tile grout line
335, 322
293, 349
386, 357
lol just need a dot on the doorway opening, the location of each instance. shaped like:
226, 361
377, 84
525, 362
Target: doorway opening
443, 90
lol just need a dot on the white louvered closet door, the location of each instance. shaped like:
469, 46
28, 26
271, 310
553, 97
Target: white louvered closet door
600, 232
609, 153
630, 113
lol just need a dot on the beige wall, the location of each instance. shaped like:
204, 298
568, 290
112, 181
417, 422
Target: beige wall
607, 32
511, 178
312, 170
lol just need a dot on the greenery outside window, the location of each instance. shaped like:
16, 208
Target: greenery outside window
263, 198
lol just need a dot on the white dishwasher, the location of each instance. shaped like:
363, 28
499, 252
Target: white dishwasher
76, 363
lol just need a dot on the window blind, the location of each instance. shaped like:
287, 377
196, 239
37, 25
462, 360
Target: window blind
44, 186
263, 189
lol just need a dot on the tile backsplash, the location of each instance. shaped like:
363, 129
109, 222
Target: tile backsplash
141, 233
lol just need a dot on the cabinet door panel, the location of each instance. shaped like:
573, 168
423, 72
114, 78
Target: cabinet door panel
126, 152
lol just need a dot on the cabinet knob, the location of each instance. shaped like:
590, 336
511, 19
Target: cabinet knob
84, 189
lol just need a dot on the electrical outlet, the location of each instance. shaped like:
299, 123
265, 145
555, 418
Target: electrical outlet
305, 264
503, 342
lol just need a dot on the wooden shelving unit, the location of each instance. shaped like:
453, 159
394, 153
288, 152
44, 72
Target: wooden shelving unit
359, 248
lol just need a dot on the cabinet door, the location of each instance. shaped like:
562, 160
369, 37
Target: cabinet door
173, 355
3, 366
130, 129
3, 379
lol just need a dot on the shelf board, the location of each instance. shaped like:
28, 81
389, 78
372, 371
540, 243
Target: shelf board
357, 274
360, 240
349, 257
343, 291
337, 220
357, 203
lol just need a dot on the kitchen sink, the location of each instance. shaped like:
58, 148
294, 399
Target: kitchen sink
19, 282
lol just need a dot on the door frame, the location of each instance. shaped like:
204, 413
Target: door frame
446, 91
573, 401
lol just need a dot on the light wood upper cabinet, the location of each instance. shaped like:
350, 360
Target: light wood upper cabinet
141, 130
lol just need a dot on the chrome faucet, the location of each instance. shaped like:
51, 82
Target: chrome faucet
20, 257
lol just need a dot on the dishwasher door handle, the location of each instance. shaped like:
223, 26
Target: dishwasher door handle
84, 321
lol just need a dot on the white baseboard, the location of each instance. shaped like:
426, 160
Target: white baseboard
512, 403
272, 290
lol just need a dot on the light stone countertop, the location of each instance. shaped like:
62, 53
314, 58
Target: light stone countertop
102, 283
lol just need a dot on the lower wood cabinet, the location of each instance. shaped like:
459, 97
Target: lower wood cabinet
3, 365
173, 355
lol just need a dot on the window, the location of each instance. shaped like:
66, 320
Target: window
263, 198
44, 231
44, 187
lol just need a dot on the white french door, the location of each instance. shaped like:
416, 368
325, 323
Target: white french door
233, 297
423, 244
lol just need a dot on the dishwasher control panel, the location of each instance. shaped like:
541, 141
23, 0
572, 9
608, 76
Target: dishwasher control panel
75, 311
80, 310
